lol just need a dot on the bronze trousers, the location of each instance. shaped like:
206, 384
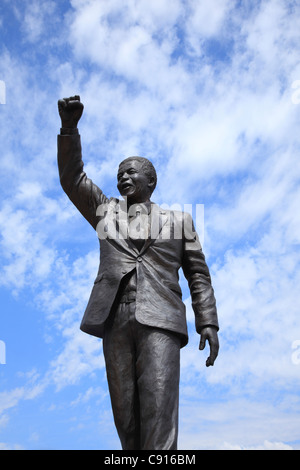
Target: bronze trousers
142, 366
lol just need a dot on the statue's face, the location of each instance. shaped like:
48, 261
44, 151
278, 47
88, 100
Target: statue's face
133, 183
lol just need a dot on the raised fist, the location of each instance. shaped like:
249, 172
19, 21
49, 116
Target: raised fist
70, 111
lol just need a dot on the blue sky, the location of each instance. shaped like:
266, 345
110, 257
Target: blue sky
210, 92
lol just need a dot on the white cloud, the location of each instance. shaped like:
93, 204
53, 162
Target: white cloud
28, 260
257, 301
81, 356
35, 18
11, 398
205, 21
5, 446
91, 393
265, 446
127, 45
3, 421
234, 420
209, 123
272, 31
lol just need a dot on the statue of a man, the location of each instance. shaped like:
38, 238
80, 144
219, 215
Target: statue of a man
136, 302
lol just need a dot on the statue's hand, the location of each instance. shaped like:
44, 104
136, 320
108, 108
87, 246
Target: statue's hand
70, 111
210, 333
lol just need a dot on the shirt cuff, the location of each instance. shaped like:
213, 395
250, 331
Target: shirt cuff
68, 131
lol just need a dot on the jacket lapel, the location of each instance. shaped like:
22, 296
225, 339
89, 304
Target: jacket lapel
158, 219
118, 228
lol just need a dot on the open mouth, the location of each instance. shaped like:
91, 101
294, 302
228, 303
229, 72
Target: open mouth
126, 186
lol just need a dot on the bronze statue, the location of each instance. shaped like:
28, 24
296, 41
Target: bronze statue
136, 302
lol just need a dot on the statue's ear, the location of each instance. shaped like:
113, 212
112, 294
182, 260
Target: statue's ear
151, 183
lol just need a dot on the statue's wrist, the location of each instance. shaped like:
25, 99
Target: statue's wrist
69, 123
68, 130
213, 327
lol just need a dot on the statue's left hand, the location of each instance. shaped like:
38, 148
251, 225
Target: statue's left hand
210, 334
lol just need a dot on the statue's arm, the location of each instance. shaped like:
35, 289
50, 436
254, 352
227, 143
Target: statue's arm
84, 194
197, 274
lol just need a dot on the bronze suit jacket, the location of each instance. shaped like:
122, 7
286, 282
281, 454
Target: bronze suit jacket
170, 247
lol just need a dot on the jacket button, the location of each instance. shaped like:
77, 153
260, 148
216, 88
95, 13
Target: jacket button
139, 259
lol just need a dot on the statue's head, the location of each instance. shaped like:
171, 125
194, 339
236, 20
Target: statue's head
136, 179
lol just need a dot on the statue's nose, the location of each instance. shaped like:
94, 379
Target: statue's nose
125, 177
